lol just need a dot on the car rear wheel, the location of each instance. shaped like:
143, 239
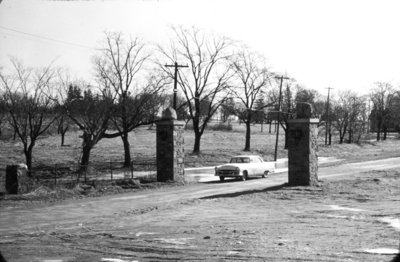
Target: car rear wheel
245, 176
265, 174
221, 178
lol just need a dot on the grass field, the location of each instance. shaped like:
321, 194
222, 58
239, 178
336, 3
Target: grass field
216, 148
343, 219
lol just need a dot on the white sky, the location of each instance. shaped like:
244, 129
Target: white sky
344, 44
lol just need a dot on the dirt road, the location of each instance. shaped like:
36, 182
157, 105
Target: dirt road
80, 211
102, 225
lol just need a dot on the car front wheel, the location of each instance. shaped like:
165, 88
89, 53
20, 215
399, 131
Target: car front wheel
221, 178
265, 174
245, 176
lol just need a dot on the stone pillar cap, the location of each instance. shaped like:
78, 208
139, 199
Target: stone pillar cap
304, 110
169, 114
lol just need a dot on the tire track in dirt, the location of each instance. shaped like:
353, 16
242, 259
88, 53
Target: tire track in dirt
74, 213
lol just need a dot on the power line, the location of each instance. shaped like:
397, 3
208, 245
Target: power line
45, 38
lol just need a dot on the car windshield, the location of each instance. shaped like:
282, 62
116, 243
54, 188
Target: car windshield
240, 160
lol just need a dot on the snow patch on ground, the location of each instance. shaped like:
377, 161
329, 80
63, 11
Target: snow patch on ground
138, 234
117, 260
230, 253
175, 241
394, 222
336, 207
383, 251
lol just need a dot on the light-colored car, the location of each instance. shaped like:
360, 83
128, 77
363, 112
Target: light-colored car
245, 166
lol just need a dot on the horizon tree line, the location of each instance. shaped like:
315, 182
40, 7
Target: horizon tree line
130, 90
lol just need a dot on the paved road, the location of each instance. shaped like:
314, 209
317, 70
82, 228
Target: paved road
72, 213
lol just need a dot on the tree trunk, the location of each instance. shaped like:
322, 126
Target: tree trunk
378, 133
342, 133
87, 146
85, 156
350, 136
28, 156
384, 133
63, 131
28, 159
62, 138
127, 150
197, 133
378, 130
196, 147
248, 135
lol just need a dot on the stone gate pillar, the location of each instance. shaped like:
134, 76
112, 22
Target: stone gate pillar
170, 148
303, 148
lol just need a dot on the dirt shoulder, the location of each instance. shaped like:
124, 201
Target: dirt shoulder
342, 220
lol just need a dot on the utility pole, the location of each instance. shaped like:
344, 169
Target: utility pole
279, 115
176, 66
328, 122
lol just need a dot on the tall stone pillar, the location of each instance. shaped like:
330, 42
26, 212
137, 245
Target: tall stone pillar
170, 148
303, 147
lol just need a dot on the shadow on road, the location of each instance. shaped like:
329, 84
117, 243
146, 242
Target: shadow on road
248, 192
228, 180
222, 182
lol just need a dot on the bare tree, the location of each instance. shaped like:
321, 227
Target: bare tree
228, 109
120, 67
63, 122
361, 120
63, 125
3, 112
349, 116
382, 98
204, 87
357, 118
340, 116
29, 102
91, 112
396, 111
249, 84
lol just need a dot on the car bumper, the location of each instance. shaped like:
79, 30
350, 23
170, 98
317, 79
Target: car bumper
228, 174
